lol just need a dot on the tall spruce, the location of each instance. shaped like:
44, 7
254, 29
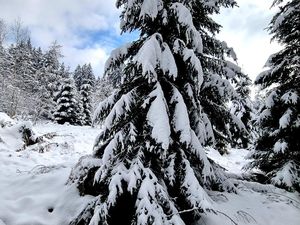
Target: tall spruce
149, 164
277, 150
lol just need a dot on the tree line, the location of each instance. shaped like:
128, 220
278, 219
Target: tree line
36, 84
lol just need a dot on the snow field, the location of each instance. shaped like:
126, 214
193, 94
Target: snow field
33, 188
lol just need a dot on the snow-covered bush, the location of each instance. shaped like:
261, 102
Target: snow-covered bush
18, 135
5, 120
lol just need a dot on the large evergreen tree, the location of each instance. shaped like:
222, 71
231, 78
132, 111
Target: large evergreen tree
149, 166
277, 151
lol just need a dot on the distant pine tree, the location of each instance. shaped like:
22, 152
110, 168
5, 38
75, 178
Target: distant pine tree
277, 150
103, 89
49, 77
85, 94
88, 75
148, 165
5, 78
66, 110
78, 76
84, 74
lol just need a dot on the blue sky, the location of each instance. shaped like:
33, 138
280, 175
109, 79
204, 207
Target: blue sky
89, 29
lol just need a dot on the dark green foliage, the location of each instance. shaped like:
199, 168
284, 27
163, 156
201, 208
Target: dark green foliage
85, 95
277, 150
66, 105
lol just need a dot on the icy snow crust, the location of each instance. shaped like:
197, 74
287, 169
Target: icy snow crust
33, 188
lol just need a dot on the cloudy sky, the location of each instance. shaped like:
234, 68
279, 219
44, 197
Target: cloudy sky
89, 29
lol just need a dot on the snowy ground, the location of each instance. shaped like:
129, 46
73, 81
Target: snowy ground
254, 203
32, 184
33, 190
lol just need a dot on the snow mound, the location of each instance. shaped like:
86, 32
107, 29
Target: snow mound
33, 188
5, 120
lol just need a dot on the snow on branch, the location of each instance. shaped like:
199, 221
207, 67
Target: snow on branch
150, 9
117, 56
104, 107
185, 20
149, 56
193, 190
158, 119
120, 108
181, 121
156, 54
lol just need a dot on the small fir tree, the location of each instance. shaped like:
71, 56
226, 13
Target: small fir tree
277, 150
85, 94
66, 110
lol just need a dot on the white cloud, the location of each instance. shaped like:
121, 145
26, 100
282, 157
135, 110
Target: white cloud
73, 24
244, 29
69, 22
94, 55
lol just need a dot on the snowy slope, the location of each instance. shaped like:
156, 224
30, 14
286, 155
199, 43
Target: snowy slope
32, 184
33, 188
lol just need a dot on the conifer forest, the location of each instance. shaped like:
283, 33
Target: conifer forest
150, 112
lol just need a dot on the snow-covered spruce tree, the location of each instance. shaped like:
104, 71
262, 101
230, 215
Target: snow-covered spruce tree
277, 150
88, 75
242, 108
222, 83
66, 110
5, 79
85, 97
149, 166
103, 89
84, 74
49, 78
77, 75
